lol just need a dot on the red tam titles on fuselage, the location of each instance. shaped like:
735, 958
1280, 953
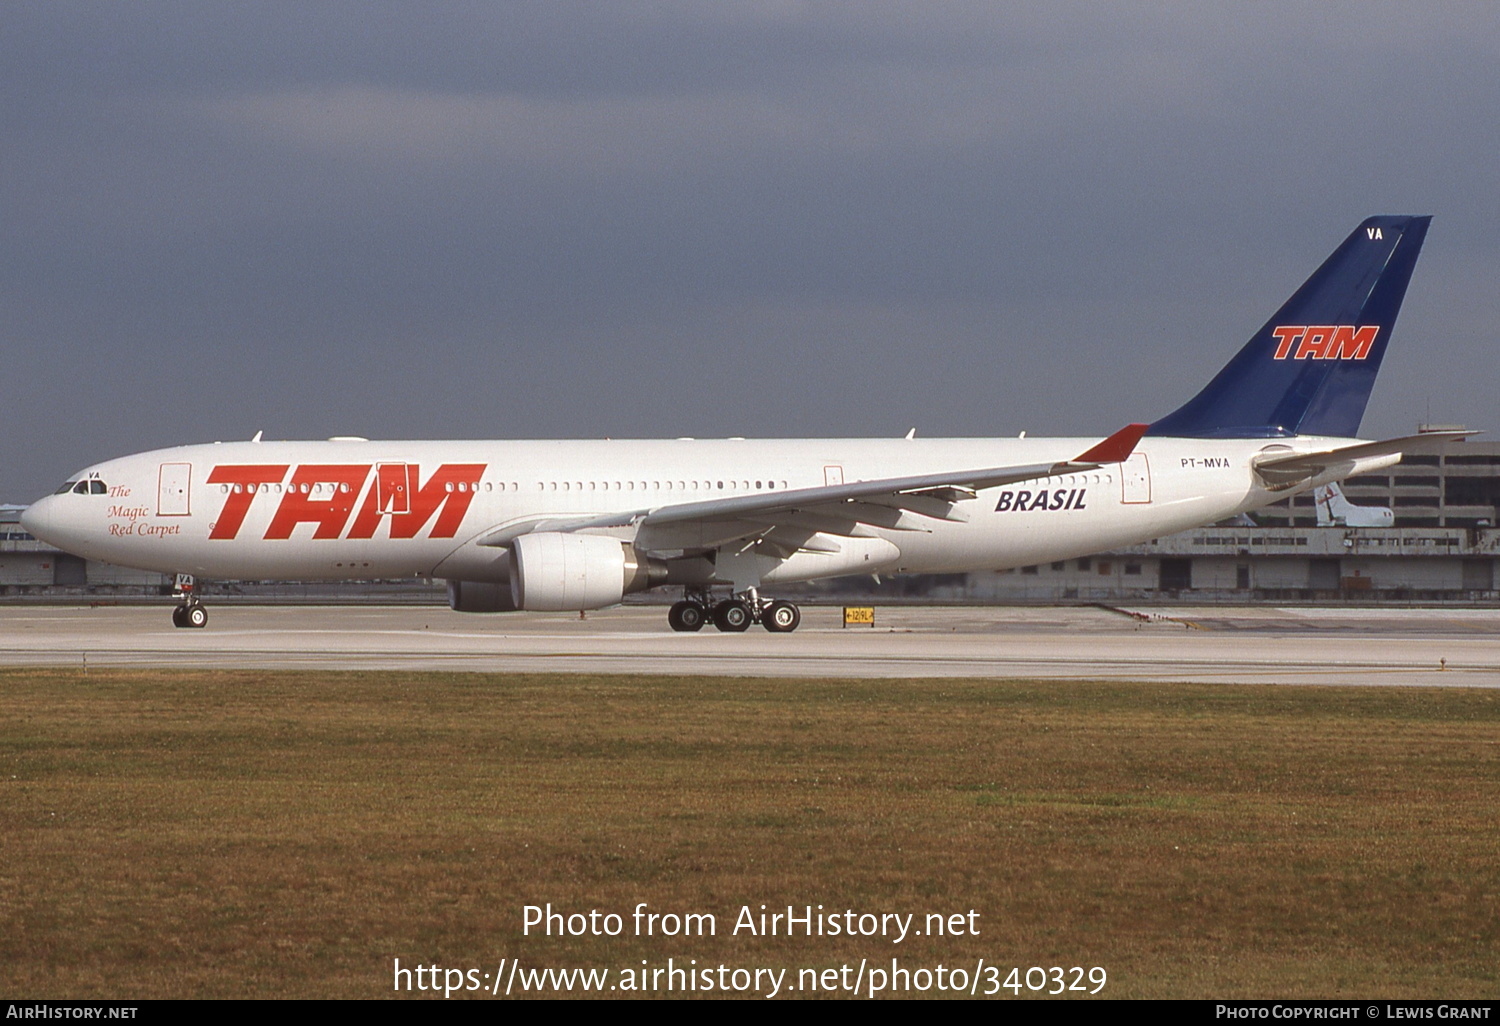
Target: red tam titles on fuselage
325, 494
1324, 341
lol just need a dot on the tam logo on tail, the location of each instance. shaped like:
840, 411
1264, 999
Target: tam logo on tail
1324, 341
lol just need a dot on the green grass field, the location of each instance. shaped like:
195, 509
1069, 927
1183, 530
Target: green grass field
222, 834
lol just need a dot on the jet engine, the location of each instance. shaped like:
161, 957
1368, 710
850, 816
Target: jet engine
480, 597
551, 570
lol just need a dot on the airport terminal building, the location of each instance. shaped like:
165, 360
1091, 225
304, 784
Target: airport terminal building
1442, 548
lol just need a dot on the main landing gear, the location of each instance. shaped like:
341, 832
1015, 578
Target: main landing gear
190, 613
735, 614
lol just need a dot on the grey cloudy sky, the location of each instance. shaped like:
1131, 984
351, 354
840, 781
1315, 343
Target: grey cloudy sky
515, 220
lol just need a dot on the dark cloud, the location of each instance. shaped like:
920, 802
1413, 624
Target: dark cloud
520, 220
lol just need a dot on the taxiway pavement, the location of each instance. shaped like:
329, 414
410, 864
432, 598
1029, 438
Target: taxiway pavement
1263, 644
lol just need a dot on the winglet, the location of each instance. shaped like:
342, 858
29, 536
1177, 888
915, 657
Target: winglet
1116, 448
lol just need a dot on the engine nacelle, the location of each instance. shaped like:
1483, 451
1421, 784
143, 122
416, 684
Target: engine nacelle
554, 571
480, 597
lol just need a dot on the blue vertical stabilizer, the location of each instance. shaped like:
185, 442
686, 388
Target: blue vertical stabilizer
1310, 369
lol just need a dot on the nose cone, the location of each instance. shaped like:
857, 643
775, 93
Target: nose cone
36, 519
44, 521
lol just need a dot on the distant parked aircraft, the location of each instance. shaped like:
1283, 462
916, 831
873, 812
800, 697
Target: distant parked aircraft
1336, 511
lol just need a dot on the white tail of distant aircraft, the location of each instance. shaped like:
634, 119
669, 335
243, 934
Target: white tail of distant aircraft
1334, 510
567, 525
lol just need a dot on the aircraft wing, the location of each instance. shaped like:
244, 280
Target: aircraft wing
1293, 467
837, 509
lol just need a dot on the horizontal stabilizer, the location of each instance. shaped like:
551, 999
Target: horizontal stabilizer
1293, 467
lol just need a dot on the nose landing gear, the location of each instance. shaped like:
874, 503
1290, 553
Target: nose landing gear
190, 613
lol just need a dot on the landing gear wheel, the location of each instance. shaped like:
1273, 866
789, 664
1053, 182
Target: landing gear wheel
687, 616
733, 616
193, 615
781, 618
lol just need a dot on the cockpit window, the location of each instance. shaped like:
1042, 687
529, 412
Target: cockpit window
66, 488
81, 488
98, 488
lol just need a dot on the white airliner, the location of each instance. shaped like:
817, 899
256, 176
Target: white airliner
565, 525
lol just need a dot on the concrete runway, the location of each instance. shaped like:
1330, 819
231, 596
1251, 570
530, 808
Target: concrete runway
1416, 647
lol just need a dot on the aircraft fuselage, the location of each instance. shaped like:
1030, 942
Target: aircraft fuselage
364, 509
